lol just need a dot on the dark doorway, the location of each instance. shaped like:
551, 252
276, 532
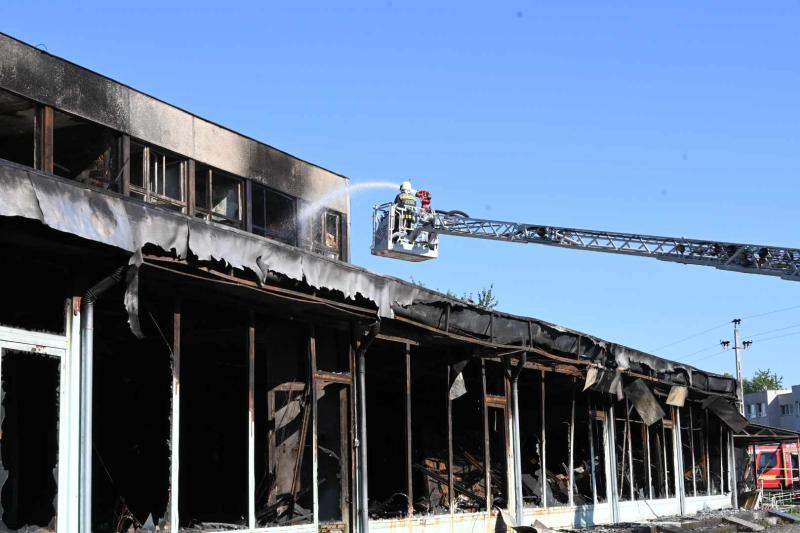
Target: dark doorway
30, 439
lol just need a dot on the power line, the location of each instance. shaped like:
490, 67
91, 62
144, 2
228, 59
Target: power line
779, 337
771, 312
694, 335
773, 330
701, 350
693, 361
748, 317
707, 357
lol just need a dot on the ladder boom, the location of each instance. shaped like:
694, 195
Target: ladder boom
748, 258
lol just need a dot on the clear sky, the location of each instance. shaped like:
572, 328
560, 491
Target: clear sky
674, 118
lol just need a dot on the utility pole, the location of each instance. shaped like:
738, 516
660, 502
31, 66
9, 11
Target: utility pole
738, 345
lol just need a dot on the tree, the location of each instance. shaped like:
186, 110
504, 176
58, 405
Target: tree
763, 380
485, 297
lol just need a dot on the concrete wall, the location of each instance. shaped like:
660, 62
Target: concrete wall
49, 80
774, 399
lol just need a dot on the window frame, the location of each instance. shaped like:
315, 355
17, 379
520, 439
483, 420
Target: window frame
321, 225
208, 213
146, 191
254, 187
772, 463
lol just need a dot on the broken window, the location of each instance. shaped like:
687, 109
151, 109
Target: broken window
218, 195
498, 454
598, 437
715, 454
498, 432
582, 457
213, 417
283, 425
469, 464
274, 214
333, 450
30, 385
157, 177
693, 447
687, 448
328, 233
633, 478
430, 388
17, 117
131, 415
560, 391
38, 290
85, 151
661, 471
386, 426
530, 423
331, 351
697, 418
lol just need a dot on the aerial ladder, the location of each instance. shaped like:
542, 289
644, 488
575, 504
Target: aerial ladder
412, 234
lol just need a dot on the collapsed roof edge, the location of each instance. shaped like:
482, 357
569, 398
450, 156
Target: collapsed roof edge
129, 224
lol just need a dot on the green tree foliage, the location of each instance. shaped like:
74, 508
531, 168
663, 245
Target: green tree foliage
762, 380
485, 297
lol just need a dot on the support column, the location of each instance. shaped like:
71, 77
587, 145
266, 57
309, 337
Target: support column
251, 425
124, 172
691, 449
648, 458
408, 435
312, 355
361, 444
543, 440
572, 445
43, 139
175, 419
69, 486
612, 462
487, 460
592, 456
677, 446
512, 376
87, 373
629, 438
451, 499
732, 471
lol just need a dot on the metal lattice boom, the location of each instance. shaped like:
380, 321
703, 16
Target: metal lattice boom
748, 258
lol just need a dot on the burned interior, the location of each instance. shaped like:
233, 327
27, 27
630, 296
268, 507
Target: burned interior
193, 356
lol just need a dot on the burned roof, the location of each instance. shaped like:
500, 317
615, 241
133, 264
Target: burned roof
130, 225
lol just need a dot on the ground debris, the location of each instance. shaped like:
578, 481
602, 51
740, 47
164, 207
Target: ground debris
724, 521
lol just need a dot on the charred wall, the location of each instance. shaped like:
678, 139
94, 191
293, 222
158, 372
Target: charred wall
49, 80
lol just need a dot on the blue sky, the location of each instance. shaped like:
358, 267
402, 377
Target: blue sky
675, 118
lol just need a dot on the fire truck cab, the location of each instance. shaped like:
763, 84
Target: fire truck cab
777, 466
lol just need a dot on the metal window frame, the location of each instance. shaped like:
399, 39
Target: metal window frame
263, 230
53, 345
151, 196
208, 213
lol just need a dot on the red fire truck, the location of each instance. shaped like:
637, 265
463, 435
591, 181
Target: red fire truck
777, 465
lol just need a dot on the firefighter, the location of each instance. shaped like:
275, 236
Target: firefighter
405, 205
425, 211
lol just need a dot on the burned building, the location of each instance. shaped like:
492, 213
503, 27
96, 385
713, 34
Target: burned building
182, 351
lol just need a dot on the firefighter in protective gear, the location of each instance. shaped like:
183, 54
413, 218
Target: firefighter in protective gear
405, 205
